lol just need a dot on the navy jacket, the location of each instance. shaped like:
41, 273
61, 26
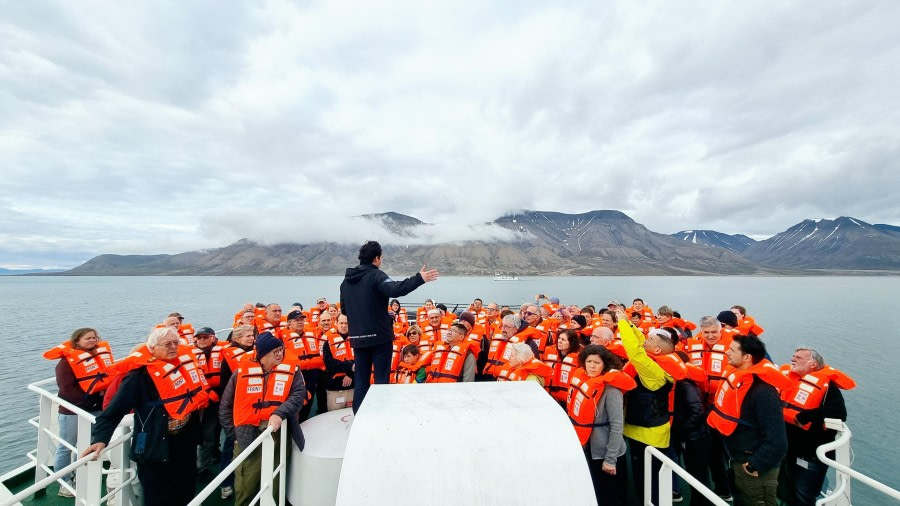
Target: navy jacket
365, 293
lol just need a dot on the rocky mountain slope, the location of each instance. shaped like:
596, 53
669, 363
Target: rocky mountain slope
593, 243
736, 243
843, 243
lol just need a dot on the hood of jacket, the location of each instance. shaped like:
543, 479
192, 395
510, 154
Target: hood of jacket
355, 274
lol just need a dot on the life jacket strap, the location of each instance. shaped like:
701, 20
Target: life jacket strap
579, 424
732, 418
185, 399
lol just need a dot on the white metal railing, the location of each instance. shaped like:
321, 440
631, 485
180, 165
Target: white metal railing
668, 467
88, 471
268, 471
840, 496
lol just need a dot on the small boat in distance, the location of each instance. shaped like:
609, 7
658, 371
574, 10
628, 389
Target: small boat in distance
504, 277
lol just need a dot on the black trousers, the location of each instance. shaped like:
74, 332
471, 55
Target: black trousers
718, 464
636, 449
310, 379
696, 461
171, 483
610, 490
377, 358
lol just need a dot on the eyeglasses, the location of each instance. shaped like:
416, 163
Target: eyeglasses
529, 313
168, 344
205, 336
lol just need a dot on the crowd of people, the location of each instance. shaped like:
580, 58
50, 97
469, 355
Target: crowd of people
706, 394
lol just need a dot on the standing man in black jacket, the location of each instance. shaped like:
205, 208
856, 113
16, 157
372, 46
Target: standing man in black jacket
365, 292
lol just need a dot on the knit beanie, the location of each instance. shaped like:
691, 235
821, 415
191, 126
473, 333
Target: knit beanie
727, 318
265, 343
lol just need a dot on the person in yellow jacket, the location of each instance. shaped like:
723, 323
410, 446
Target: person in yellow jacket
646, 412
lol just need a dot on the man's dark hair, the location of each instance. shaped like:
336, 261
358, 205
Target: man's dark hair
410, 348
638, 300
369, 251
753, 346
442, 307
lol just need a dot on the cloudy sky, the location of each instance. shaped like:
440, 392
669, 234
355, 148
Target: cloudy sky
162, 127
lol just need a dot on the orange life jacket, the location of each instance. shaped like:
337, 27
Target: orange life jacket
726, 409
681, 323
712, 359
302, 349
181, 386
436, 335
447, 362
546, 333
646, 314
498, 353
212, 367
808, 391
400, 327
90, 369
669, 362
747, 325
522, 372
406, 373
258, 395
340, 347
584, 394
563, 367
262, 325
232, 355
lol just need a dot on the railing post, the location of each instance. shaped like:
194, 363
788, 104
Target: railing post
127, 494
842, 456
91, 473
282, 461
648, 475
43, 440
665, 484
83, 441
266, 468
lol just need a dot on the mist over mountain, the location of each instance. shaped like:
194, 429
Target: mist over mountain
602, 242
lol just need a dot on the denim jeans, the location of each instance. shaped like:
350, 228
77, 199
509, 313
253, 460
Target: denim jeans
68, 431
801, 480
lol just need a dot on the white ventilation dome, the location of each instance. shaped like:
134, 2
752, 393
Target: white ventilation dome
463, 443
314, 473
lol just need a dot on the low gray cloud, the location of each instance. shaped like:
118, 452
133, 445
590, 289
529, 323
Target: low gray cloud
160, 127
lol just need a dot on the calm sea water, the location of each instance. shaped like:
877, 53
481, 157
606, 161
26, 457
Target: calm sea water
844, 317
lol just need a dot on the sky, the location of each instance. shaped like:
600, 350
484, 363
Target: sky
164, 127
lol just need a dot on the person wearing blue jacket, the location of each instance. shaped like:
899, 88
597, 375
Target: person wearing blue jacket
365, 293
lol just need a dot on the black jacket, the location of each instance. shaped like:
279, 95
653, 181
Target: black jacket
761, 438
138, 392
803, 443
689, 419
365, 293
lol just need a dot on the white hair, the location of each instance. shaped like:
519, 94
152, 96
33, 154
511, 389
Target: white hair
157, 334
710, 321
521, 352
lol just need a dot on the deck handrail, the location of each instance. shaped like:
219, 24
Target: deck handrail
665, 479
43, 483
267, 472
841, 465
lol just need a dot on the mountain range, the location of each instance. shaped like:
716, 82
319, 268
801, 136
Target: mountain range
550, 243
